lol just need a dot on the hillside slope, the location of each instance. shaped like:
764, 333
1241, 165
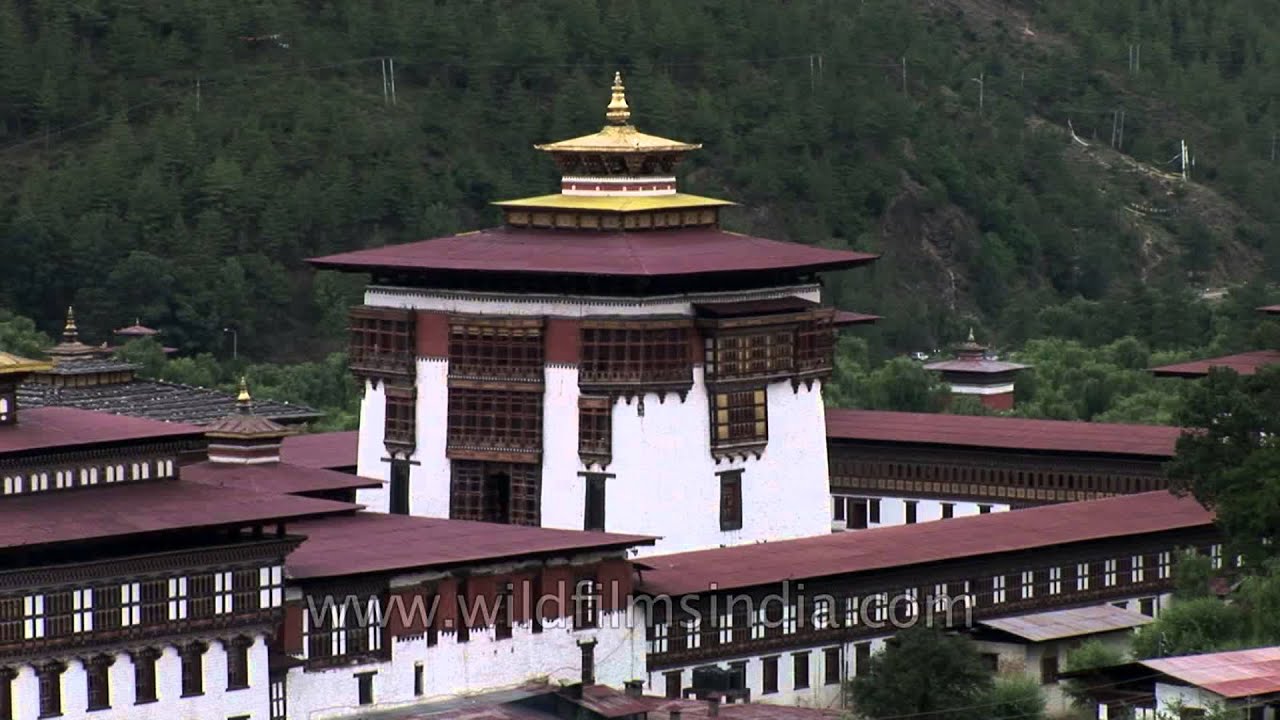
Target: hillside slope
178, 164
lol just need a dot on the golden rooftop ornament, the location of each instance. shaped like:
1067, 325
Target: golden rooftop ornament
618, 113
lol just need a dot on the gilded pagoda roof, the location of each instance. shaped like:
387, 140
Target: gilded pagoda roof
243, 423
619, 135
11, 364
614, 203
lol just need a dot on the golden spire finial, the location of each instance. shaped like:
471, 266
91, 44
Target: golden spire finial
244, 399
69, 331
618, 113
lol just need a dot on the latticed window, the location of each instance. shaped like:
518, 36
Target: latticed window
495, 492
506, 348
731, 500
739, 418
200, 604
620, 353
741, 356
155, 602
244, 585
399, 423
595, 429
11, 617
483, 421
815, 343
382, 341
59, 614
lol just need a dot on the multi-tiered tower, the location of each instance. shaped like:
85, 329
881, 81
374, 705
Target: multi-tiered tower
608, 358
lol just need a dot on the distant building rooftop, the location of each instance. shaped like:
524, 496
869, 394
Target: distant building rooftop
1074, 622
1234, 674
281, 477
1003, 433
156, 400
1246, 363
905, 545
377, 542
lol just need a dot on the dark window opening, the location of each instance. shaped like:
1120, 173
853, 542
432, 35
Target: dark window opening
831, 666
586, 604
770, 667
98, 681
1048, 669
502, 613
984, 509
673, 686
497, 497
144, 676
399, 421
911, 511
800, 670
948, 510
50, 679
192, 670
731, 500
238, 663
857, 514
873, 510
364, 688
861, 658
593, 515
399, 487
418, 679
495, 492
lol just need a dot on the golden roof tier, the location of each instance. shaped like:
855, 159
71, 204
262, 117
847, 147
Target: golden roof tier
11, 364
617, 178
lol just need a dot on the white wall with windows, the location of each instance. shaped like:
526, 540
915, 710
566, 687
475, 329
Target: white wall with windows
483, 663
850, 511
215, 700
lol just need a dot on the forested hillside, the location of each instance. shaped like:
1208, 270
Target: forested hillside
177, 161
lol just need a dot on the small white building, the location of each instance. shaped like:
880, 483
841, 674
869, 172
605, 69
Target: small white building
1036, 645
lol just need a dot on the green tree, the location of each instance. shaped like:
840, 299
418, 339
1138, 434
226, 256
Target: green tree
923, 670
1189, 627
1016, 697
19, 336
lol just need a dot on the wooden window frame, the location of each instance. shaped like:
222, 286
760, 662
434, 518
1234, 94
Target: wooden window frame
364, 687
502, 612
470, 493
497, 348
595, 488
399, 496
673, 684
49, 684
237, 652
595, 430
278, 699
98, 682
192, 663
144, 675
740, 419
831, 669
769, 675
730, 500
400, 417
494, 424
382, 341
745, 355
586, 603
648, 354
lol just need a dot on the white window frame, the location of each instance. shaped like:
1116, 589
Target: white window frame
661, 636
178, 598
271, 587
726, 627
997, 589
82, 610
1110, 572
1137, 573
1028, 584
821, 613
788, 619
692, 633
33, 617
1055, 580
223, 598
851, 611
1215, 556
338, 638
130, 604
1082, 577
373, 621
1164, 568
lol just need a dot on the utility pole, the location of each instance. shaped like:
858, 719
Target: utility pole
1120, 132
1186, 170
392, 63
385, 93
1273, 146
982, 87
904, 74
235, 342
197, 94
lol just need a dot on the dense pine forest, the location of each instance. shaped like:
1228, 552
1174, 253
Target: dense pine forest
1016, 164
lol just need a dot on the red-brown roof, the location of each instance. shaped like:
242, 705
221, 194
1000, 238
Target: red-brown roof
687, 251
1246, 363
1234, 674
329, 450
377, 542
1270, 309
904, 545
979, 367
58, 427
95, 512
1002, 433
1068, 623
274, 478
848, 317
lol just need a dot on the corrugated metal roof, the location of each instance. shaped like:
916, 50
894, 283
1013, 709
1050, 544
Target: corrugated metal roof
1234, 674
1075, 622
687, 251
377, 542
1244, 363
904, 545
280, 477
1157, 441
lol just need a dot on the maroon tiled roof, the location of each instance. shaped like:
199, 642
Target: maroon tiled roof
904, 545
1233, 674
143, 507
377, 542
1270, 309
1246, 363
278, 477
328, 450
58, 427
688, 251
1002, 433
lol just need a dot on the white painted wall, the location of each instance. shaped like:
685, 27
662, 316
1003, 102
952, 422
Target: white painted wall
481, 664
216, 702
665, 480
817, 695
893, 510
